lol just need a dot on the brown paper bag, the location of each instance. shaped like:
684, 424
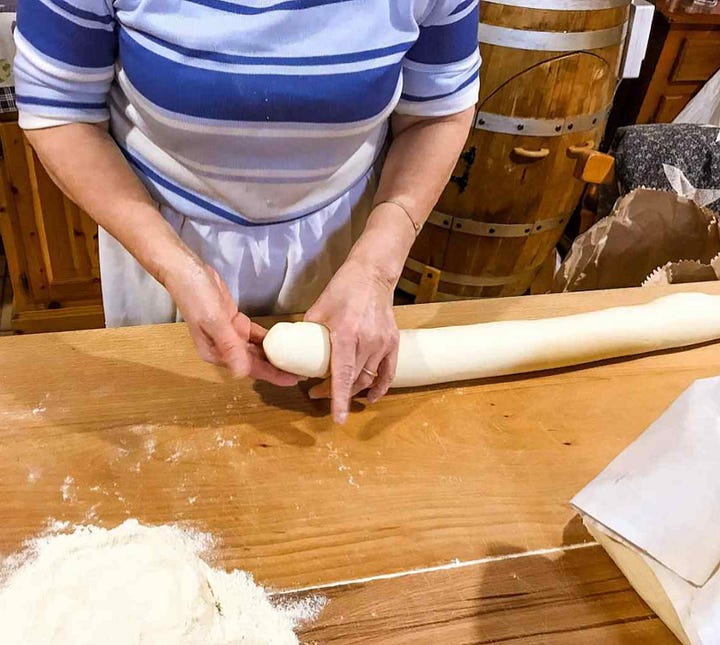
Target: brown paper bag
682, 272
649, 232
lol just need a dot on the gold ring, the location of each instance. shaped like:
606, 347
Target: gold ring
370, 373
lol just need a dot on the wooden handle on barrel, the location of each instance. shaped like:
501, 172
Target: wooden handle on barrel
592, 167
581, 151
531, 154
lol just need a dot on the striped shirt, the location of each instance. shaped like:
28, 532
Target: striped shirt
255, 111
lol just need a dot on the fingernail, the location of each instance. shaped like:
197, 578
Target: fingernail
342, 417
372, 398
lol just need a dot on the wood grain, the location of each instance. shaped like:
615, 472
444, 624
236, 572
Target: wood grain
492, 183
669, 106
575, 596
51, 245
97, 426
697, 61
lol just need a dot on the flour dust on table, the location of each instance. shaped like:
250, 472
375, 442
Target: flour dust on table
137, 584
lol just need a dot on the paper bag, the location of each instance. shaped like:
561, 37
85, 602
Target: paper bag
656, 510
647, 230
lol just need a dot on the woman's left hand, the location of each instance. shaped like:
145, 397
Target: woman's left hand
356, 307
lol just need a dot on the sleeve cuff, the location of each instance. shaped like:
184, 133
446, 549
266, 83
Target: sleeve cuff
35, 122
458, 102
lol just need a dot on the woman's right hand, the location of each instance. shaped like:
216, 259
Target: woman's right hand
223, 335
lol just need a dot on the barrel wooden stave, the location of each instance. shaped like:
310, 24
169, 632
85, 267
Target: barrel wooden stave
503, 15
490, 184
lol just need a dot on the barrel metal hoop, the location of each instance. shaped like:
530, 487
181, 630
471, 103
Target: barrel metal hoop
563, 5
531, 127
554, 41
475, 281
410, 287
489, 229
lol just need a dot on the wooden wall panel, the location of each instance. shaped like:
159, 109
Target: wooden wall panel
51, 245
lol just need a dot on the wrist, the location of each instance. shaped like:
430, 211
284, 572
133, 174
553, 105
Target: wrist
384, 245
173, 263
178, 267
386, 206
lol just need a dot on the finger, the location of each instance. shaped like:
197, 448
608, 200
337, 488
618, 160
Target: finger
321, 390
204, 346
386, 375
263, 370
231, 348
342, 375
363, 382
257, 333
311, 316
365, 379
246, 328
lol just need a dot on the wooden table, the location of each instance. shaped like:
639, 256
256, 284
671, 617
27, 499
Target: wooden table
439, 515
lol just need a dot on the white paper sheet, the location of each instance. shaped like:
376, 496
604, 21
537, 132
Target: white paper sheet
661, 496
705, 106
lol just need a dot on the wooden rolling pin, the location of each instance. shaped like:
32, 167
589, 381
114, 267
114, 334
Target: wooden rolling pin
484, 350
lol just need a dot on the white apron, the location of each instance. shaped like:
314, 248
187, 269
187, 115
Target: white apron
273, 269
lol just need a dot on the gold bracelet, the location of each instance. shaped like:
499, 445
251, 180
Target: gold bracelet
402, 207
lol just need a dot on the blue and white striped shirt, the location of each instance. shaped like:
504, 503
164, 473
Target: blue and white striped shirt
253, 110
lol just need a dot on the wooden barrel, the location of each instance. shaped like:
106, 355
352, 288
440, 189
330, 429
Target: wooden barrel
549, 73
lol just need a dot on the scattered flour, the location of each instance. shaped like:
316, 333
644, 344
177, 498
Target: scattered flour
91, 514
137, 584
41, 407
224, 443
150, 445
53, 526
121, 453
143, 428
67, 489
351, 480
175, 456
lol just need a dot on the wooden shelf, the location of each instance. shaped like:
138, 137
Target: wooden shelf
685, 12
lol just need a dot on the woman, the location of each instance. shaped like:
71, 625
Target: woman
240, 171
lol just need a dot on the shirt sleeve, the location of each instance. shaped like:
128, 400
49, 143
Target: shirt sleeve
441, 70
64, 64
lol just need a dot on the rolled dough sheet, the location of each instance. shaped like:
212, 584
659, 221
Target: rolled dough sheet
445, 354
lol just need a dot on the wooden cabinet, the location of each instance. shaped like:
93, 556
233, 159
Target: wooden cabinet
688, 59
683, 54
698, 58
51, 245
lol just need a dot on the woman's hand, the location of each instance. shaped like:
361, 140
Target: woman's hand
356, 307
222, 334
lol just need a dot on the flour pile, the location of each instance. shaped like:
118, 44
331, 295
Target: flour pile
134, 585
